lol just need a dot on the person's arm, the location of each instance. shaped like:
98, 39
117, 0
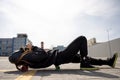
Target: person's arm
37, 49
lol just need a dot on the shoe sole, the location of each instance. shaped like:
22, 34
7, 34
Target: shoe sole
89, 69
114, 63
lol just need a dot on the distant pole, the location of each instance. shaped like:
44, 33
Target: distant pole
109, 45
42, 45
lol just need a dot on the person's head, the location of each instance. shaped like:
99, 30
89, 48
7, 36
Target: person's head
21, 65
15, 55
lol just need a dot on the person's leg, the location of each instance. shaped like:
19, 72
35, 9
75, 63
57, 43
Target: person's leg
109, 61
76, 59
93, 61
79, 44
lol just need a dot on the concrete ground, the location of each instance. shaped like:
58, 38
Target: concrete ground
67, 72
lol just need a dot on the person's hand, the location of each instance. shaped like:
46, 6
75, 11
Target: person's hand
29, 47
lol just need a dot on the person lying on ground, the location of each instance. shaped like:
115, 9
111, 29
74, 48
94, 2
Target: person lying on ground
35, 57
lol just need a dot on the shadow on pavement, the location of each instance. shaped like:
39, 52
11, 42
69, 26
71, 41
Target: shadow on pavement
48, 72
13, 72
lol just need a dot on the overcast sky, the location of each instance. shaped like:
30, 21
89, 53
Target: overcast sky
58, 22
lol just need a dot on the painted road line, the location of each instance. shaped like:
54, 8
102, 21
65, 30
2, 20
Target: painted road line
27, 75
6, 70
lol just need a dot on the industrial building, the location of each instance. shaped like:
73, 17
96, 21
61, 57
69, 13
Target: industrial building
9, 45
104, 49
59, 47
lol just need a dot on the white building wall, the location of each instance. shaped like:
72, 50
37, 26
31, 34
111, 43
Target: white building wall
103, 50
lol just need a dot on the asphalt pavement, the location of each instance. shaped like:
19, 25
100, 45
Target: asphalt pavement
69, 71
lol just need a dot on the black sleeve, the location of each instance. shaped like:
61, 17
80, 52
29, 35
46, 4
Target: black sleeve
37, 49
37, 55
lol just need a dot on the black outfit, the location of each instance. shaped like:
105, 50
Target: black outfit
38, 58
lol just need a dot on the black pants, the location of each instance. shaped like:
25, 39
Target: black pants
70, 54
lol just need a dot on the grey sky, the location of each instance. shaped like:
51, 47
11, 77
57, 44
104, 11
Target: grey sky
58, 22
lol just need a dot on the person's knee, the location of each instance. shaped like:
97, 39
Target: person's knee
82, 38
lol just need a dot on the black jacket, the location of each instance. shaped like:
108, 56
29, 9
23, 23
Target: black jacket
38, 58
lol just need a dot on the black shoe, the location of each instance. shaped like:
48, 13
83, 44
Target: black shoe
86, 66
112, 61
57, 68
